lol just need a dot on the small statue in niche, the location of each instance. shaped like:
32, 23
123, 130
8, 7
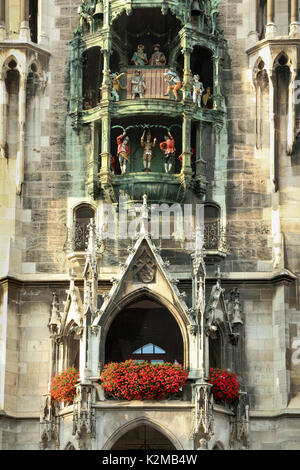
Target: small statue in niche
148, 146
86, 11
174, 84
198, 90
123, 151
158, 58
213, 12
139, 58
168, 147
208, 98
116, 86
86, 105
138, 86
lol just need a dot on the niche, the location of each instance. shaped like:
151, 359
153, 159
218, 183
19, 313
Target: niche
33, 20
12, 83
262, 105
281, 111
91, 77
261, 18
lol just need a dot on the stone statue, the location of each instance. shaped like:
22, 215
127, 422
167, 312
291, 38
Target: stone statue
139, 58
138, 86
174, 84
123, 151
148, 145
86, 11
168, 147
198, 90
116, 86
208, 99
158, 57
213, 12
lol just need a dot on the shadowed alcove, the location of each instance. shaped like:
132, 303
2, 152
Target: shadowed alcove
139, 332
143, 437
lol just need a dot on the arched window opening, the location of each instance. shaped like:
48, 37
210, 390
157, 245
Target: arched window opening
12, 83
33, 20
92, 73
72, 349
82, 217
261, 19
281, 112
211, 227
261, 81
150, 353
139, 332
215, 351
202, 65
143, 437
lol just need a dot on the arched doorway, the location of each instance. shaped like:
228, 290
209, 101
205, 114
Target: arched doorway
144, 330
143, 437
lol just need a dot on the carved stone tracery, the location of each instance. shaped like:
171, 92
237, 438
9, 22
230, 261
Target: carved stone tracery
145, 269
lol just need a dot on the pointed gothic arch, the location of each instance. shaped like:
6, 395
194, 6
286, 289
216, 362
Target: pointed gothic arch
136, 423
135, 337
261, 83
283, 114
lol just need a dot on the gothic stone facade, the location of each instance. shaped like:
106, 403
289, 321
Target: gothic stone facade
62, 304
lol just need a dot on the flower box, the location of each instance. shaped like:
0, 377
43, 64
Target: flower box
225, 386
132, 380
63, 385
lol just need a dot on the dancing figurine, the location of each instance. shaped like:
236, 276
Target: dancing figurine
138, 86
123, 151
148, 146
174, 84
198, 90
116, 86
168, 147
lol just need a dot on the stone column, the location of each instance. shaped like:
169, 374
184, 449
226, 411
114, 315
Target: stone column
187, 77
253, 33
294, 25
186, 143
270, 27
24, 20
2, 114
22, 117
43, 22
2, 19
107, 82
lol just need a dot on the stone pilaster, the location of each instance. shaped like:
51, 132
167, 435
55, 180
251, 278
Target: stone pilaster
253, 34
270, 27
22, 117
24, 20
2, 19
294, 25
